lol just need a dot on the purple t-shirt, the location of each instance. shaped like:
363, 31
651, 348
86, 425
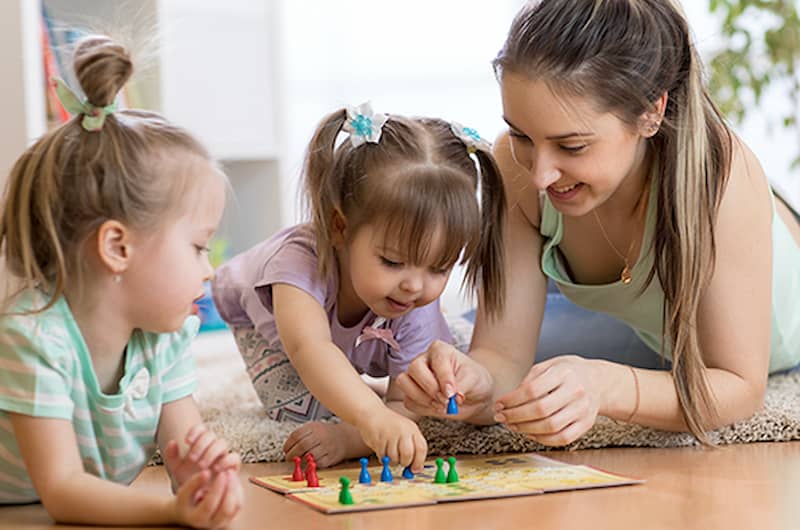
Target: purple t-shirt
242, 290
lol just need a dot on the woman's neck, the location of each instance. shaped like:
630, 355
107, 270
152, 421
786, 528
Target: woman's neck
626, 201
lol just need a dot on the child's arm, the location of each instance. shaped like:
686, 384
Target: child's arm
394, 400
305, 333
49, 449
181, 431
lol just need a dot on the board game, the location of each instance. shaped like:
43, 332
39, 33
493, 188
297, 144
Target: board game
479, 478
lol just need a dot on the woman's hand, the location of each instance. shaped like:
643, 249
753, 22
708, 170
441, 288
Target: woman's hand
556, 403
441, 372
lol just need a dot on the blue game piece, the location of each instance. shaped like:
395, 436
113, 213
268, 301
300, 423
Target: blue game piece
407, 473
452, 406
364, 477
386, 474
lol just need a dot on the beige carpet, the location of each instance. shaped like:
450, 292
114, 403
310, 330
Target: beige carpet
230, 406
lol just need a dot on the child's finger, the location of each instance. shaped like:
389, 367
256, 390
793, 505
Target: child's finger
296, 435
172, 455
420, 452
302, 446
228, 461
229, 503
405, 450
200, 445
195, 432
218, 449
189, 489
213, 497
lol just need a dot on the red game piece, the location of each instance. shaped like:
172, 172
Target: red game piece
311, 474
297, 476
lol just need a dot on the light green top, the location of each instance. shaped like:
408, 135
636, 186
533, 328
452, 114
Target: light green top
46, 371
643, 310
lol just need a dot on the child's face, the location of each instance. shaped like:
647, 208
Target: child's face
383, 280
578, 155
170, 267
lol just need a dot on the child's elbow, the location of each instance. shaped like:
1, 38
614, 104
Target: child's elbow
56, 504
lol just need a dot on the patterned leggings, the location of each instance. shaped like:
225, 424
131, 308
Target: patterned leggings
277, 383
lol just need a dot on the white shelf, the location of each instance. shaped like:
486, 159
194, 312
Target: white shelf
212, 71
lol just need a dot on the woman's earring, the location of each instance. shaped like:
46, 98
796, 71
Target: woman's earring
117, 278
652, 129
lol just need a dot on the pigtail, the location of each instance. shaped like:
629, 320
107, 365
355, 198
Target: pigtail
322, 187
490, 253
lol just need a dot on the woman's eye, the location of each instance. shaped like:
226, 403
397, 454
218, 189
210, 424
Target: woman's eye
518, 136
574, 148
201, 248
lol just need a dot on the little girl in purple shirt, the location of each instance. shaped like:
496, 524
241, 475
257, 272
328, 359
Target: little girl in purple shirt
394, 206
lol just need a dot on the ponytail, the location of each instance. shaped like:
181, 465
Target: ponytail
693, 166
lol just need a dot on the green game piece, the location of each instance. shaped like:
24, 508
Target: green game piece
439, 478
452, 475
344, 494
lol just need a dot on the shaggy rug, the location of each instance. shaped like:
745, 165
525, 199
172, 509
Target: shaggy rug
230, 407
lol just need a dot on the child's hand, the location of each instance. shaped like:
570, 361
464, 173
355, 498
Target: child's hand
203, 502
389, 433
205, 451
441, 372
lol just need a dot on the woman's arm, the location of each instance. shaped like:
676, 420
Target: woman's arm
70, 495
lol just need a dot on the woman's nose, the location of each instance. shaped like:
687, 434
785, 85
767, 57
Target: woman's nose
543, 179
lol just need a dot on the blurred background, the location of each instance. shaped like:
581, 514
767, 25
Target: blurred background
253, 78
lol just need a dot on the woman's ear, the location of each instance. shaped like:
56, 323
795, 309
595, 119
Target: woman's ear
114, 246
338, 229
650, 121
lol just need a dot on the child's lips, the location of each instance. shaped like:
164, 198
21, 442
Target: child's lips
400, 305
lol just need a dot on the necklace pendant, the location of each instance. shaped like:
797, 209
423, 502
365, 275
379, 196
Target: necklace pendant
626, 276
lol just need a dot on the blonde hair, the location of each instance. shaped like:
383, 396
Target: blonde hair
418, 178
625, 54
71, 180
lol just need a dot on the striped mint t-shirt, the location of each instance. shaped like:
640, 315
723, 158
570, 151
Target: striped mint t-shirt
46, 371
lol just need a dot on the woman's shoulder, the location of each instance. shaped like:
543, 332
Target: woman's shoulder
747, 189
522, 196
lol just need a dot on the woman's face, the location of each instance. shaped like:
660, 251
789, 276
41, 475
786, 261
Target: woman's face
579, 155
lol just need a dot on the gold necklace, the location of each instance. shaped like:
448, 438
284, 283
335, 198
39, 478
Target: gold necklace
625, 276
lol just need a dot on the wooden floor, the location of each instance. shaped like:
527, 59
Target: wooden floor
755, 486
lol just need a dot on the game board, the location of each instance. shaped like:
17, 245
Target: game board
480, 478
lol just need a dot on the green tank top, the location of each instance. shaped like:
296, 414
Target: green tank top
642, 309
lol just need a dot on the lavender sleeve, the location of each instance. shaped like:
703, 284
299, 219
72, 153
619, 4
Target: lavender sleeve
242, 287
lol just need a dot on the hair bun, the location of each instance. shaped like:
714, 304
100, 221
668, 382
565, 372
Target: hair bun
102, 67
